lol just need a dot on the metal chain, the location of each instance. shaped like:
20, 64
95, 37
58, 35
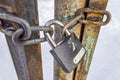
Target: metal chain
81, 19
26, 30
16, 35
89, 10
23, 23
16, 39
10, 31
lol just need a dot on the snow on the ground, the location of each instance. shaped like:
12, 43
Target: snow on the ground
105, 64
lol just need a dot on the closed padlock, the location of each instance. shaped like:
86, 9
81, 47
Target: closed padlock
68, 52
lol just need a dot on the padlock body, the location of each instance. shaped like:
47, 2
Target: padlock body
68, 53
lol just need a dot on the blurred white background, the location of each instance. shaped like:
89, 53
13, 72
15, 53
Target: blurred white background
105, 64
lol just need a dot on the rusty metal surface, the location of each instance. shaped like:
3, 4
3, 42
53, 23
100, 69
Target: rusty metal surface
89, 40
27, 59
64, 10
88, 35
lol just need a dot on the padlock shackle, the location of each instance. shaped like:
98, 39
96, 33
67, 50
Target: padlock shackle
53, 21
47, 35
50, 40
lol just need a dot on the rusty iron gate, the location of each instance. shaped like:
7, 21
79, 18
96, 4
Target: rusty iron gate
27, 59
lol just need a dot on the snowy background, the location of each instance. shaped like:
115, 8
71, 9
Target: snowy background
105, 64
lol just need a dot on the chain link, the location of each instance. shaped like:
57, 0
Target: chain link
21, 35
72, 23
23, 23
81, 19
16, 39
89, 10
17, 34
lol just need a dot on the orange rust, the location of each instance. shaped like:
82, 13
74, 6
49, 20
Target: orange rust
77, 30
10, 9
21, 8
35, 74
95, 15
34, 62
26, 9
1, 27
89, 40
66, 8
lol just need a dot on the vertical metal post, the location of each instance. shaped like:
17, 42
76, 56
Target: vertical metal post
27, 59
89, 39
64, 11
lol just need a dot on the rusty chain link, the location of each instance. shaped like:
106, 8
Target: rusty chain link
26, 30
81, 19
103, 12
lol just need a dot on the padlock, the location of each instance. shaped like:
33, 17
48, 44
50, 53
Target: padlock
68, 52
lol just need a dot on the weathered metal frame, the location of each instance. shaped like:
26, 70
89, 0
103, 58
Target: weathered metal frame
88, 34
89, 39
64, 10
27, 59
